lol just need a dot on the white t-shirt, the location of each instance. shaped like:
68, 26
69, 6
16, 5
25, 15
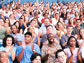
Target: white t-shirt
68, 53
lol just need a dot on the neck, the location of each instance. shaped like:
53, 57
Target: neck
51, 45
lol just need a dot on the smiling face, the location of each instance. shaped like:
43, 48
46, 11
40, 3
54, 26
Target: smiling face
61, 57
9, 41
72, 42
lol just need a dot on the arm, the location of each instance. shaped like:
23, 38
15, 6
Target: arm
19, 57
79, 56
70, 58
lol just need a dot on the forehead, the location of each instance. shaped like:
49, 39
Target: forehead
61, 53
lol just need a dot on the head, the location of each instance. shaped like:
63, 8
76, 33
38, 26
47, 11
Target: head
69, 29
46, 21
72, 41
50, 38
8, 40
14, 29
60, 55
49, 29
36, 58
81, 33
4, 57
1, 22
31, 29
28, 37
78, 22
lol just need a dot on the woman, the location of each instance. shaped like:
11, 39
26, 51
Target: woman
8, 44
81, 38
73, 53
60, 29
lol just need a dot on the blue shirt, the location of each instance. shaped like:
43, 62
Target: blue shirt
27, 52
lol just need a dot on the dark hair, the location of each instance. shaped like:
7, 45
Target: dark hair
28, 33
4, 40
49, 26
56, 54
68, 42
69, 26
34, 56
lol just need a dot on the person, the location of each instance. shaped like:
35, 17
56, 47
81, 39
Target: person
8, 44
17, 36
72, 52
49, 29
4, 57
60, 55
48, 51
65, 37
36, 58
24, 51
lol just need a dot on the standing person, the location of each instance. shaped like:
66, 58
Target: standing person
8, 44
24, 52
73, 53
49, 50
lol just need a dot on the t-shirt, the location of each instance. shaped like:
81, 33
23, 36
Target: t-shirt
68, 53
27, 52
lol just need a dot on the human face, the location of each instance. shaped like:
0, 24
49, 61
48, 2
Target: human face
69, 30
51, 39
14, 29
78, 23
46, 22
49, 29
28, 39
82, 33
72, 42
37, 60
4, 58
9, 41
62, 57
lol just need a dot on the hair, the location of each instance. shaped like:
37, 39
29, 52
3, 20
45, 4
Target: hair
5, 39
58, 51
34, 56
28, 33
69, 26
68, 42
15, 26
49, 26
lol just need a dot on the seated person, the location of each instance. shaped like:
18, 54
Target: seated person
36, 58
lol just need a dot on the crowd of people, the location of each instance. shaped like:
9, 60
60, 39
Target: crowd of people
38, 33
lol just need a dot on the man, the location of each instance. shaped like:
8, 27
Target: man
60, 55
77, 27
24, 52
36, 58
65, 37
49, 50
44, 25
17, 36
49, 29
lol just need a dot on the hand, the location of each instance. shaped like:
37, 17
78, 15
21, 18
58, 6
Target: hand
48, 51
23, 44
